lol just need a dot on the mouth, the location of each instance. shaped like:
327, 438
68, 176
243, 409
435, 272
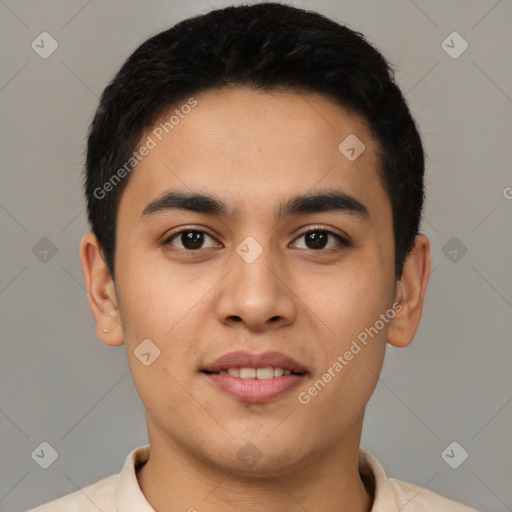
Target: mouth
254, 389
268, 372
255, 378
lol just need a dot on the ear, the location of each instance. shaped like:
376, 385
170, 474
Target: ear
410, 294
100, 291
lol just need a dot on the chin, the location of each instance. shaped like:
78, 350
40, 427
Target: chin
258, 455
252, 462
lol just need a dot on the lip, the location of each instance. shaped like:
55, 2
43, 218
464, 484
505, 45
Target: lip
243, 359
254, 390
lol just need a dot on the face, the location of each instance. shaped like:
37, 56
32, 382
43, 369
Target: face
257, 273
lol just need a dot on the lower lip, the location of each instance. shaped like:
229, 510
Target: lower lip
255, 390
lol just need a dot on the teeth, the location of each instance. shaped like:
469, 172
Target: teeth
255, 373
265, 373
247, 373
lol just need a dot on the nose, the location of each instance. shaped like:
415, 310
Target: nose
258, 294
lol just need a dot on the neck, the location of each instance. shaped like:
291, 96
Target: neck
175, 479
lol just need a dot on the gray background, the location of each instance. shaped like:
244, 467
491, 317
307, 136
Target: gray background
59, 384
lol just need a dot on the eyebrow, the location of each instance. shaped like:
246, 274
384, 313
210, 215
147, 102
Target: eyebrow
332, 200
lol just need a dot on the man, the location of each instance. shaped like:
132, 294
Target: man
254, 182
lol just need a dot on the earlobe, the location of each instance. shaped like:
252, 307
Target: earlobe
410, 293
101, 292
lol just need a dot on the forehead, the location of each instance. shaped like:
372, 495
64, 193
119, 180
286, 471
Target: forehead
255, 149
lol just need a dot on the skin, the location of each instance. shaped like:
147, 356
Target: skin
254, 150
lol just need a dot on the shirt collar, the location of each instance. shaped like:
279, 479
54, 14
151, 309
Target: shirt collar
128, 494
384, 498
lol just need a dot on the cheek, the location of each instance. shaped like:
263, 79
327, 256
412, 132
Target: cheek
164, 306
352, 334
151, 299
350, 301
153, 308
352, 337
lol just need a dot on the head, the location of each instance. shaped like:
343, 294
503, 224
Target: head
265, 122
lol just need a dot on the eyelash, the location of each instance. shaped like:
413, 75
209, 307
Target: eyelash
342, 240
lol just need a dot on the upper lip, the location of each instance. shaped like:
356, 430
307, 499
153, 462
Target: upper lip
242, 359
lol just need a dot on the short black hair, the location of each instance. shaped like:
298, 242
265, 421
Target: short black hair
268, 46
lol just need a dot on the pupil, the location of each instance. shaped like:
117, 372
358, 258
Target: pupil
195, 239
192, 239
318, 239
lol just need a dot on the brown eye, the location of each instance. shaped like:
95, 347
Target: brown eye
190, 239
317, 239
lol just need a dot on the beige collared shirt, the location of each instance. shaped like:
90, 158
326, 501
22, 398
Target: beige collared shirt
121, 492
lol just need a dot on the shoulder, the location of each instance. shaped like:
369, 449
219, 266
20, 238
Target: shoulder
392, 495
412, 498
105, 494
94, 497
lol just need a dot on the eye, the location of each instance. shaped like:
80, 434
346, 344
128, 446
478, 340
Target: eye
317, 238
190, 239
